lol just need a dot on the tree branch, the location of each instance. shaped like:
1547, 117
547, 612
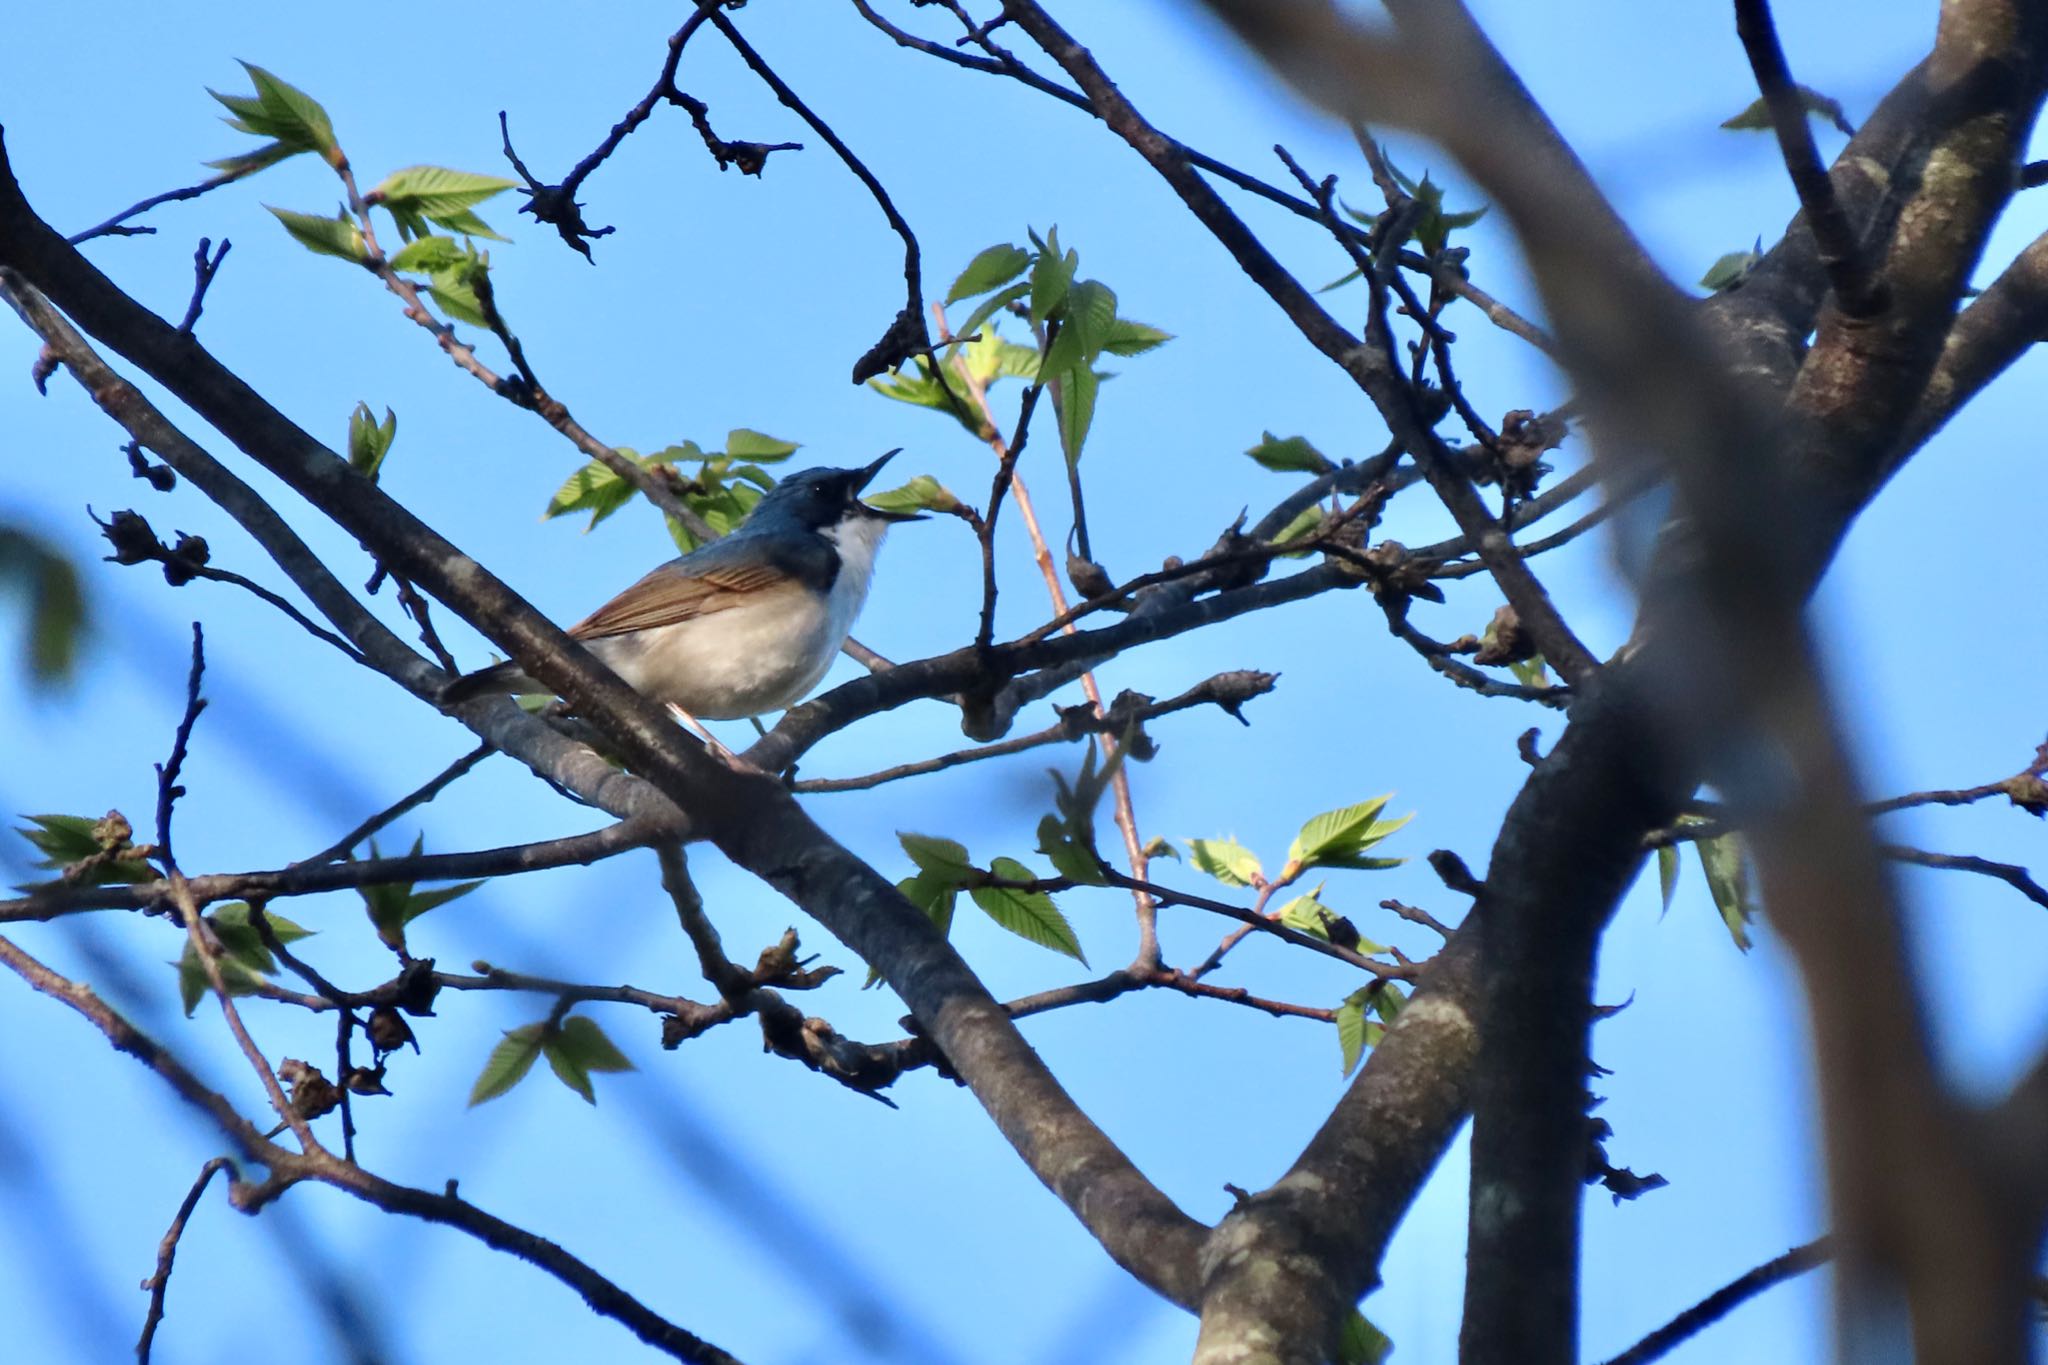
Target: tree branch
1825, 218
1726, 1300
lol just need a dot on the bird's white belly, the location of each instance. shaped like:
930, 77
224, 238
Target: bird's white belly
734, 663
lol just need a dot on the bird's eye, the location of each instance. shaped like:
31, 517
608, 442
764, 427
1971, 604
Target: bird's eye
817, 489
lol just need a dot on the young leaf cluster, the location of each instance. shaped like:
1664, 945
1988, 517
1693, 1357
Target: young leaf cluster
418, 198
1429, 225
369, 440
1355, 1032
86, 852
393, 905
575, 1047
1067, 836
1336, 839
721, 486
1726, 865
1001, 891
245, 960
1073, 320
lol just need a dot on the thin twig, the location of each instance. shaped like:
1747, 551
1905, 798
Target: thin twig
1227, 690
1856, 292
204, 268
412, 800
159, 1283
309, 878
167, 789
200, 936
1724, 1301
113, 227
1123, 811
907, 335
2011, 874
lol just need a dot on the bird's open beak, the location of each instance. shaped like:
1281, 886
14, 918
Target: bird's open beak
867, 476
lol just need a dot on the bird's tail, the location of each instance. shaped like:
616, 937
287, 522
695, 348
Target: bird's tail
498, 678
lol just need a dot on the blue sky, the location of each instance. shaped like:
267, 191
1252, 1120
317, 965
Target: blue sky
759, 1205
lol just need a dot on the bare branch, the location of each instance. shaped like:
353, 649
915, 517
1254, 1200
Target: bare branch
159, 1283
1855, 291
1726, 1300
2011, 874
412, 800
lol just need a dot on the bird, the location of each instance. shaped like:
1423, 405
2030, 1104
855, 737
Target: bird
742, 625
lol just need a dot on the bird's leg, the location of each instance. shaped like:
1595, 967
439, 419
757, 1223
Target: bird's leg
696, 727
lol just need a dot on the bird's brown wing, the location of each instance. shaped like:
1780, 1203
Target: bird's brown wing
665, 597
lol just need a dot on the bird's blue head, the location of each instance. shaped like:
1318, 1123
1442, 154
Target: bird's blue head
818, 499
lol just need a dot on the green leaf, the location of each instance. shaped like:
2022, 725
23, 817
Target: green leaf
594, 489
1289, 455
193, 984
1077, 410
1226, 860
994, 266
1337, 835
425, 255
1356, 1033
245, 961
926, 389
588, 1042
1084, 325
743, 443
61, 838
1727, 867
568, 1070
934, 895
1342, 280
293, 108
369, 440
922, 494
578, 1048
454, 292
248, 163
393, 905
945, 859
1731, 269
1068, 856
1126, 337
68, 840
439, 195
1308, 915
337, 236
282, 111
1027, 914
1051, 275
1305, 522
1361, 1343
419, 902
56, 603
989, 307
1667, 872
509, 1062
1756, 116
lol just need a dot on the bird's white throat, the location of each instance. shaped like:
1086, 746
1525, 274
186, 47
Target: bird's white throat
857, 538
